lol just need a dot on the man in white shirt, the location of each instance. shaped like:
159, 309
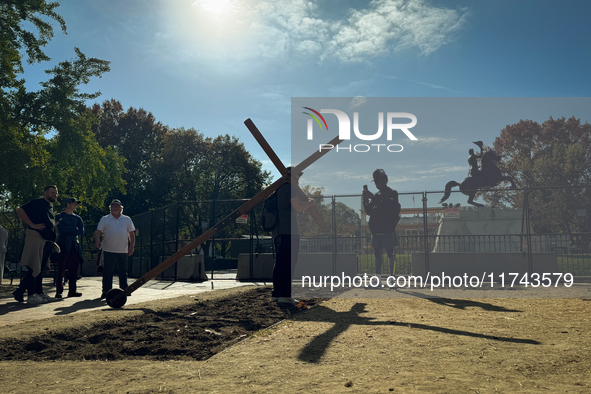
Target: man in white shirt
117, 244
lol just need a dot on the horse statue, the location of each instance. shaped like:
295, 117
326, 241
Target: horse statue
488, 176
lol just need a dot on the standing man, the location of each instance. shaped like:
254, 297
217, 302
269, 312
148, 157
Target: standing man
287, 239
3, 243
69, 226
39, 244
118, 243
384, 211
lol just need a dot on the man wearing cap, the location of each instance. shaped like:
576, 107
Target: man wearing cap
287, 239
384, 211
70, 227
117, 244
39, 244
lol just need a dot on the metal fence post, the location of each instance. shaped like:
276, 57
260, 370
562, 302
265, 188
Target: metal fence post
425, 233
334, 236
251, 257
176, 241
151, 239
212, 238
528, 233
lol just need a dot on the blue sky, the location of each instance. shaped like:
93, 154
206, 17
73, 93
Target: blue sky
212, 64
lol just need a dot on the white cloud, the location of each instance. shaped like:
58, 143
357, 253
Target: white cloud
437, 141
283, 30
431, 85
383, 27
439, 170
358, 101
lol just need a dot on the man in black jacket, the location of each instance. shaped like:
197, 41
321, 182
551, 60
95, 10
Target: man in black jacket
384, 211
70, 227
287, 239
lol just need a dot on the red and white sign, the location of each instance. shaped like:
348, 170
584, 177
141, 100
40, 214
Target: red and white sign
452, 213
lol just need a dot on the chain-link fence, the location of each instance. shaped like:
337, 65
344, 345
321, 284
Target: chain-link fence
527, 221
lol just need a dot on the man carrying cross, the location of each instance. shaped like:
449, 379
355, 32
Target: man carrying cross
287, 238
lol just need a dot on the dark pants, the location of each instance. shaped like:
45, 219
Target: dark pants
110, 261
287, 247
386, 241
34, 284
68, 261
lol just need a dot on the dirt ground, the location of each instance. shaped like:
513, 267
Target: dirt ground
169, 334
238, 341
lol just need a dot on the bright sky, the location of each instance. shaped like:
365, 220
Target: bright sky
211, 64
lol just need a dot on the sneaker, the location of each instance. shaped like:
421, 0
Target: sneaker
288, 300
46, 297
36, 299
75, 294
58, 296
18, 296
274, 299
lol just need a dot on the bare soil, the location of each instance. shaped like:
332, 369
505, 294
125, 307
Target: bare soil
364, 345
162, 335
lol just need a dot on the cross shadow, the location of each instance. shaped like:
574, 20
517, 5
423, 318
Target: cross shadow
460, 303
463, 304
313, 351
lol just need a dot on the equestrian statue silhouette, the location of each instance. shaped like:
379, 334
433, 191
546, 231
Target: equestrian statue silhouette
488, 176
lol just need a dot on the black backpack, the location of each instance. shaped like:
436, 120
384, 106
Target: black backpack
270, 213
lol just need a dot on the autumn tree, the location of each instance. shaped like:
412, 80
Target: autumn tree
553, 161
347, 220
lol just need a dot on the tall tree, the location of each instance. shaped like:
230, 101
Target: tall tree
198, 168
554, 160
58, 110
138, 137
229, 171
81, 168
179, 171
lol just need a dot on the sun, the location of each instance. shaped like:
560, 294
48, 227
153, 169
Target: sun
215, 6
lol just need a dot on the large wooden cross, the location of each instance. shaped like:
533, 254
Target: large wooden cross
116, 298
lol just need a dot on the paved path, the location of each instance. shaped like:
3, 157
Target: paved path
13, 312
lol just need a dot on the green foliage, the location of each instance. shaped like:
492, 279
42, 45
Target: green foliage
14, 38
138, 138
193, 167
80, 167
229, 171
179, 170
23, 158
165, 165
71, 158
